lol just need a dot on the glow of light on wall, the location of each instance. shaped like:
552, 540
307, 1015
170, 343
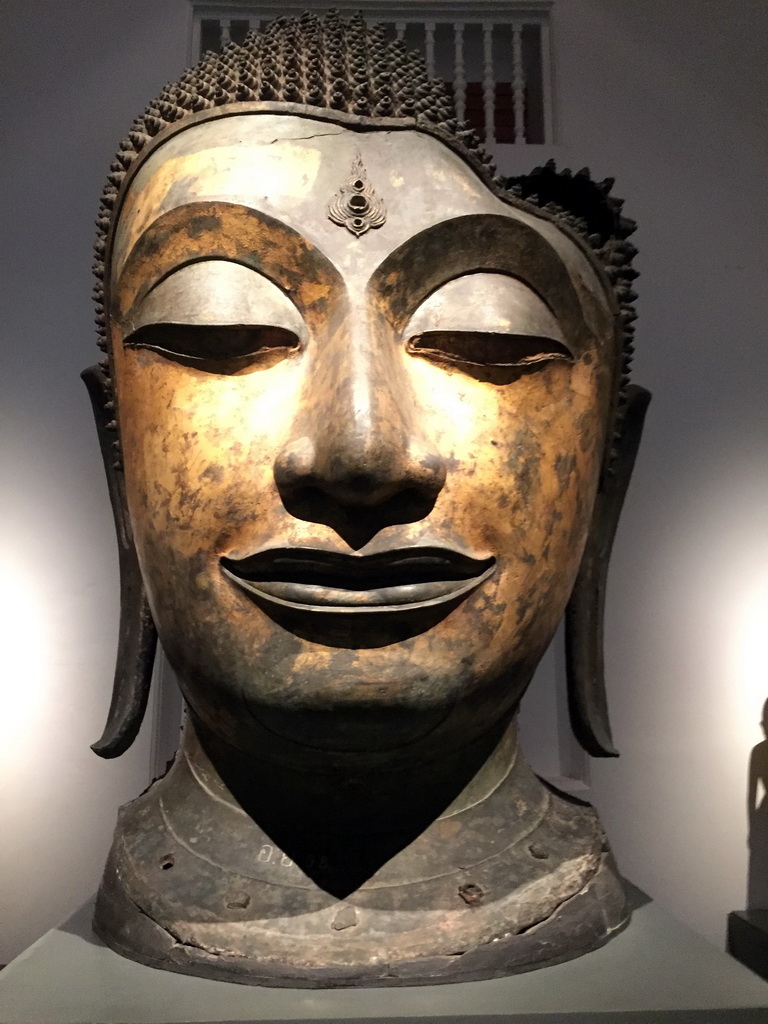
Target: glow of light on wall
26, 652
718, 592
749, 658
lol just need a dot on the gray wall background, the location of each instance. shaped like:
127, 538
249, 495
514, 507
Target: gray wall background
670, 97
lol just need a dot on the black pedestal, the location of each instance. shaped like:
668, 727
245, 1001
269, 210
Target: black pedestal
748, 939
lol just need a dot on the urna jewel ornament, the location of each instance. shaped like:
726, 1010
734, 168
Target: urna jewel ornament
367, 427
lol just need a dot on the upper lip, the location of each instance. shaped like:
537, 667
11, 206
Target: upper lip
315, 579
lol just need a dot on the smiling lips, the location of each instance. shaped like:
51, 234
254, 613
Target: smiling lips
325, 581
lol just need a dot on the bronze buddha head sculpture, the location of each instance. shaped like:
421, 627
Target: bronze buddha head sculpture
367, 427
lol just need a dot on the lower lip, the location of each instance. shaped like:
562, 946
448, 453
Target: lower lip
312, 598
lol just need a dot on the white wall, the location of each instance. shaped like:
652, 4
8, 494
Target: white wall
670, 97
77, 75
667, 95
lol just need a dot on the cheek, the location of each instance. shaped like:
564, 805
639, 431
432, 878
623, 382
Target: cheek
524, 462
199, 449
531, 476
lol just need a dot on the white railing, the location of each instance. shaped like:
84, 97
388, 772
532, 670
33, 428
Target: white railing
494, 54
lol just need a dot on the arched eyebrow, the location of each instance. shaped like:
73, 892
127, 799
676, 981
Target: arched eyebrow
227, 231
469, 244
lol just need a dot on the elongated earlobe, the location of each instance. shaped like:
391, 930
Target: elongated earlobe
138, 636
584, 615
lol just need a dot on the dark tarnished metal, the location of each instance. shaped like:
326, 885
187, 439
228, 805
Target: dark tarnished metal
585, 612
545, 890
360, 482
137, 638
356, 206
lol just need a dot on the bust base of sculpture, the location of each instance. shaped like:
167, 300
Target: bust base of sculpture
520, 879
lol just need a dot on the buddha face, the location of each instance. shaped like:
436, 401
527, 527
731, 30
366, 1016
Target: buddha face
360, 467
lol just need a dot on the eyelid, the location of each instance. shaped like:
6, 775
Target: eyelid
485, 303
217, 293
488, 349
219, 350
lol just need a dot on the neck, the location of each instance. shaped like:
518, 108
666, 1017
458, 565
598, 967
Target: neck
241, 869
353, 819
339, 792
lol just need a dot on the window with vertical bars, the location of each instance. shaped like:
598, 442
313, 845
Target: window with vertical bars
494, 55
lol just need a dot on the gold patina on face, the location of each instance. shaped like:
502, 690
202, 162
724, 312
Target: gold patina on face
360, 470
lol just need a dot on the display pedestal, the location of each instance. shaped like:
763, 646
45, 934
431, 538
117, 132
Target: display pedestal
748, 939
655, 971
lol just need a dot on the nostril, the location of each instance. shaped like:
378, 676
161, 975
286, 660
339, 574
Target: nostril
428, 468
294, 464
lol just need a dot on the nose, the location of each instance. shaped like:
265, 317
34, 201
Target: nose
359, 458
360, 469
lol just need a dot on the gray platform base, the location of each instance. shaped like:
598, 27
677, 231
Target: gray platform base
655, 972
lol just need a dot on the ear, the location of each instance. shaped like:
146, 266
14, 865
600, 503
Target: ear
584, 615
138, 636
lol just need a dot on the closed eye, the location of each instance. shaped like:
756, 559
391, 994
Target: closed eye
488, 324
217, 316
487, 348
221, 349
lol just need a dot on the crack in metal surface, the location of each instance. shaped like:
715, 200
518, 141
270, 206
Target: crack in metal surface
303, 138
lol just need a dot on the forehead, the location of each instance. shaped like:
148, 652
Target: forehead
291, 167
